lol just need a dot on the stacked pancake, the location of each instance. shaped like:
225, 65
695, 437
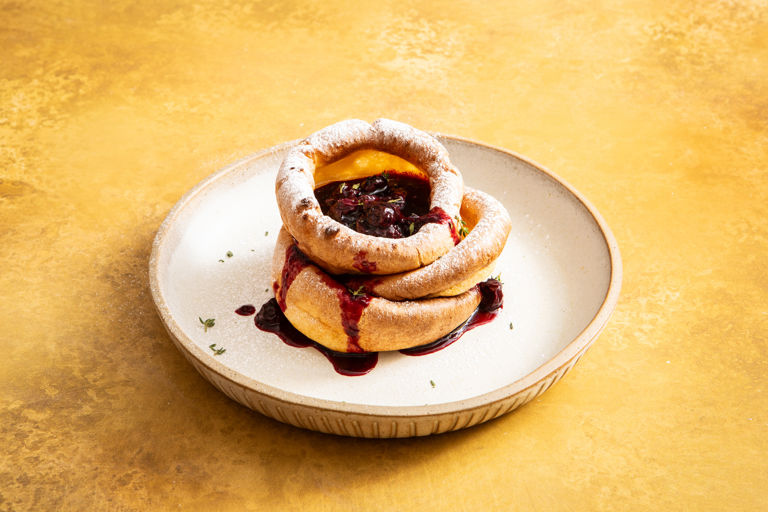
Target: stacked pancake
353, 291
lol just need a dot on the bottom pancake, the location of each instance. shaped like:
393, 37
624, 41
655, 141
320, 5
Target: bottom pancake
342, 317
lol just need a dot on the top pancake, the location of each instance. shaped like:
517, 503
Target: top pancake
339, 249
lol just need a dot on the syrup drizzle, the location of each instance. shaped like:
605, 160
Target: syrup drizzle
352, 306
438, 215
477, 318
295, 262
271, 319
362, 264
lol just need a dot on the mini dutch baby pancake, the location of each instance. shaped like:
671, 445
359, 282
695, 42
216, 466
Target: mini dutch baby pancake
342, 318
370, 226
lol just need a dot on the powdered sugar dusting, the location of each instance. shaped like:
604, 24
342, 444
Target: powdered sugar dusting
336, 140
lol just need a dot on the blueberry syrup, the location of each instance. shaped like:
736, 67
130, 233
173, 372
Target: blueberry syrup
271, 319
295, 262
246, 310
389, 205
352, 304
438, 216
490, 304
492, 296
362, 264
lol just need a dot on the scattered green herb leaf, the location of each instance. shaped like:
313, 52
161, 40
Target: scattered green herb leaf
511, 326
396, 200
498, 278
461, 227
266, 233
411, 227
359, 291
207, 323
221, 261
432, 383
356, 186
229, 254
217, 351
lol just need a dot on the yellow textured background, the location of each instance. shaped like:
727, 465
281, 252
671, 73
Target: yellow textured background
656, 110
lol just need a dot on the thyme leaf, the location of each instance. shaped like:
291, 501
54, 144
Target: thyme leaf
461, 227
207, 323
216, 351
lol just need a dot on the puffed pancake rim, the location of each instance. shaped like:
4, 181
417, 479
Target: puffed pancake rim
336, 247
313, 307
465, 265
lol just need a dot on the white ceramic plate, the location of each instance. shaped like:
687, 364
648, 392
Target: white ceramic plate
561, 272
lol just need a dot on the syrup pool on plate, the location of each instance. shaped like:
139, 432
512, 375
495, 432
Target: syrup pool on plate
270, 318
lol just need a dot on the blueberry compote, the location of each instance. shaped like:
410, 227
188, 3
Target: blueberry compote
390, 205
271, 319
490, 304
